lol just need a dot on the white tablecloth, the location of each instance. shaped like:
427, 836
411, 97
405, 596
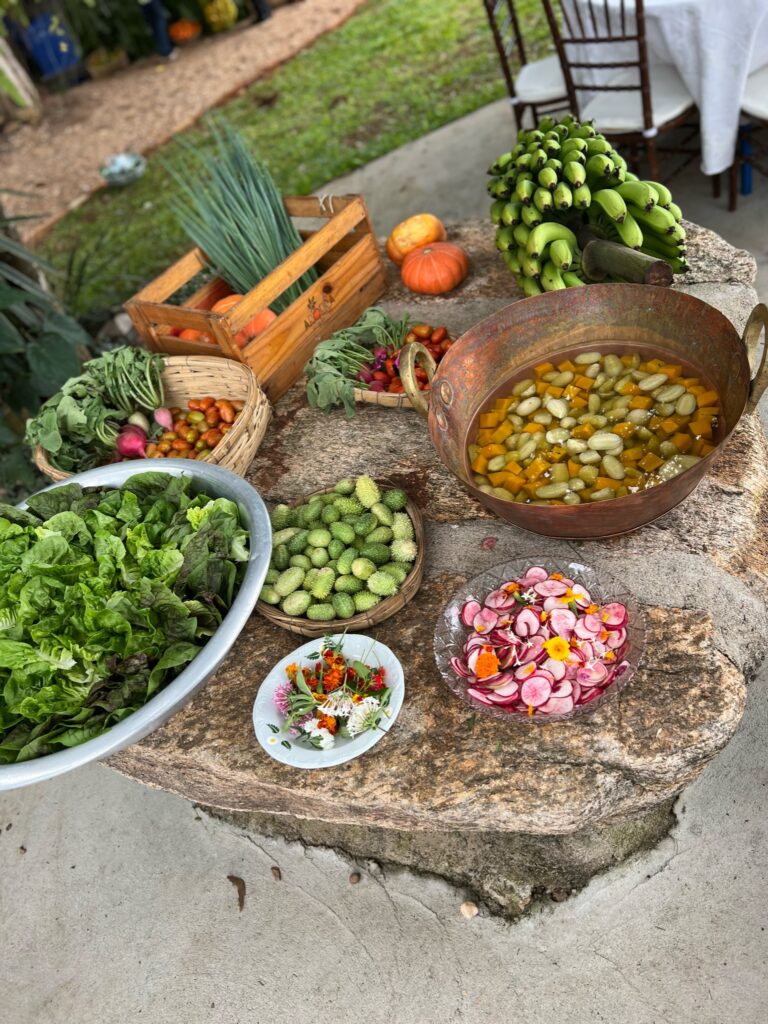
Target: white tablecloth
714, 44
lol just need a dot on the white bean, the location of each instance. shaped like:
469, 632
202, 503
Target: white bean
574, 446
613, 468
670, 393
654, 381
686, 404
613, 365
585, 358
601, 495
552, 490
529, 405
557, 407
556, 436
523, 385
603, 441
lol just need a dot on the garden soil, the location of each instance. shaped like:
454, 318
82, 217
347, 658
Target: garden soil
57, 161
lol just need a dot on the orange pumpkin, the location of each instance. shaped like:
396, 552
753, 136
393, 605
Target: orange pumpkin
435, 269
412, 234
255, 326
190, 334
224, 305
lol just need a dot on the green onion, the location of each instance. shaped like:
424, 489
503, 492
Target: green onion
232, 209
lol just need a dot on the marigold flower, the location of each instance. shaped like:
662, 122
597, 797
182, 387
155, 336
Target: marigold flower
557, 648
326, 722
487, 664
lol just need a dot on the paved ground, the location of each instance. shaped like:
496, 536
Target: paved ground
116, 904
56, 163
116, 907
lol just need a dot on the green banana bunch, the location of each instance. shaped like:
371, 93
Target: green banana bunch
560, 176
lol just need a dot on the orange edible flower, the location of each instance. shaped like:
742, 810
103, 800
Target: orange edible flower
327, 722
487, 664
592, 609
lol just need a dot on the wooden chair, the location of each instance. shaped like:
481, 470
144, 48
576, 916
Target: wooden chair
754, 105
539, 86
630, 101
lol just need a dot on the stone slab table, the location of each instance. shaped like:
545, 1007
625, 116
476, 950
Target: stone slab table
511, 810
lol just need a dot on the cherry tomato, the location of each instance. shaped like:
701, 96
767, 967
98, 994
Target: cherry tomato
224, 427
163, 447
168, 435
191, 436
212, 437
212, 416
179, 445
421, 331
446, 345
389, 366
396, 387
203, 453
180, 426
439, 334
380, 375
226, 411
205, 403
193, 403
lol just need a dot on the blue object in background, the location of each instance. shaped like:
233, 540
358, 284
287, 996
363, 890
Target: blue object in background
155, 16
50, 45
746, 149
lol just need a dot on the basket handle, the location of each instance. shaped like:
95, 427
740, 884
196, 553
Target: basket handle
410, 355
756, 325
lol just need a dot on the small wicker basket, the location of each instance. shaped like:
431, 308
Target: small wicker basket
383, 398
186, 377
364, 620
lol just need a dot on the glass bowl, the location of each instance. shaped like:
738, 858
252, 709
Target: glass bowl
451, 634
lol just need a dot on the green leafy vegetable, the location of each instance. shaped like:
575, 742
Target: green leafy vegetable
332, 371
78, 426
107, 594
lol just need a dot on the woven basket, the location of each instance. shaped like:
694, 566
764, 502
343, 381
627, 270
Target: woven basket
384, 609
186, 377
383, 398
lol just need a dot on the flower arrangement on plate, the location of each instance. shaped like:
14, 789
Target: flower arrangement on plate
538, 640
328, 701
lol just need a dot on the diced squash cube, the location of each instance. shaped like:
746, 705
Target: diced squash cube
654, 422
607, 481
632, 454
706, 448
653, 365
502, 405
579, 402
557, 453
484, 437
624, 430
630, 388
480, 464
513, 467
536, 468
669, 426
533, 428
641, 402
502, 432
565, 366
514, 482
701, 428
690, 382
489, 420
498, 479
708, 412
543, 368
697, 446
707, 398
585, 383
682, 442
650, 462
554, 391
573, 467
541, 387
494, 449
672, 370
571, 392
583, 431
627, 360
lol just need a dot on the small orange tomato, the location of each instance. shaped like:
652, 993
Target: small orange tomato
212, 437
168, 435
180, 425
193, 404
179, 445
422, 331
204, 404
175, 411
255, 326
224, 427
163, 447
191, 436
226, 411
224, 305
212, 416
439, 334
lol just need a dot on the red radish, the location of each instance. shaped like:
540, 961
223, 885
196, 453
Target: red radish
527, 623
485, 620
469, 611
550, 588
534, 575
163, 418
131, 443
614, 615
479, 695
536, 691
562, 621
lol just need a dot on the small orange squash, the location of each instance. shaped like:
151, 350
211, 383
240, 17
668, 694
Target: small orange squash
435, 269
412, 234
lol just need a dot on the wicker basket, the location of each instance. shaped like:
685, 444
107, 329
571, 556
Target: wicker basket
384, 610
383, 398
186, 377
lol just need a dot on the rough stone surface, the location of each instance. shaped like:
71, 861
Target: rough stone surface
699, 571
508, 872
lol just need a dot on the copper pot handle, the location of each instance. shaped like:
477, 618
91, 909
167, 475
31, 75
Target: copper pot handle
410, 355
757, 323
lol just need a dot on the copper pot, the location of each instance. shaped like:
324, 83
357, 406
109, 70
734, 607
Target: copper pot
619, 318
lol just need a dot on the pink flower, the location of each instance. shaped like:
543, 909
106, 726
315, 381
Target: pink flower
280, 696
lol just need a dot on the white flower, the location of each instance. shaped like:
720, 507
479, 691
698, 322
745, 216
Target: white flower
338, 704
317, 732
361, 718
529, 594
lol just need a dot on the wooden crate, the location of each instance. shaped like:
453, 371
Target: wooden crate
351, 277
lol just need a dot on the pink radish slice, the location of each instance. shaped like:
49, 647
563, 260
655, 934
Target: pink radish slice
502, 638
613, 615
527, 623
550, 603
531, 650
500, 600
498, 698
459, 667
562, 621
469, 611
550, 588
555, 668
509, 660
536, 690
581, 596
485, 620
557, 706
536, 574
479, 696
576, 692
509, 689
589, 695
616, 638
475, 640
563, 689
525, 671
592, 674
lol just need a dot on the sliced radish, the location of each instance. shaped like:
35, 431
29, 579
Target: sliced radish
555, 668
479, 696
536, 690
459, 667
485, 620
592, 674
550, 588
500, 600
562, 621
613, 615
557, 706
616, 638
527, 623
536, 574
525, 671
508, 689
531, 650
563, 689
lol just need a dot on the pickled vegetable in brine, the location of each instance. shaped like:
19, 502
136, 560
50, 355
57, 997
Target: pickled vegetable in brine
595, 426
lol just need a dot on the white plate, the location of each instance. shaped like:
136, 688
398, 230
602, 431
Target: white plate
301, 755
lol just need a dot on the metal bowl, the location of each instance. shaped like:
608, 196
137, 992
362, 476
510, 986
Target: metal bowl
619, 318
217, 482
123, 168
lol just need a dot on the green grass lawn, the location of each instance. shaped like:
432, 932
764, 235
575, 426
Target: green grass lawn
394, 71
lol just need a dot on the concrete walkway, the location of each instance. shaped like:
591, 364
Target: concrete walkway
116, 904
116, 907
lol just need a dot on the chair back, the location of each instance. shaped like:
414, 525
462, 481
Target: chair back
594, 38
505, 28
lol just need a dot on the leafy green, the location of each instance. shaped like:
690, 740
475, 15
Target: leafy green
107, 594
78, 426
332, 371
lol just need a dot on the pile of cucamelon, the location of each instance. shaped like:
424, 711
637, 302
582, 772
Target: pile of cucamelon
560, 177
341, 552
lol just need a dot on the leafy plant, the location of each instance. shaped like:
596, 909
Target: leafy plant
105, 604
232, 209
40, 348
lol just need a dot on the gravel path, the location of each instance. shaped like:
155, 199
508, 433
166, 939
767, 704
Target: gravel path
58, 160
